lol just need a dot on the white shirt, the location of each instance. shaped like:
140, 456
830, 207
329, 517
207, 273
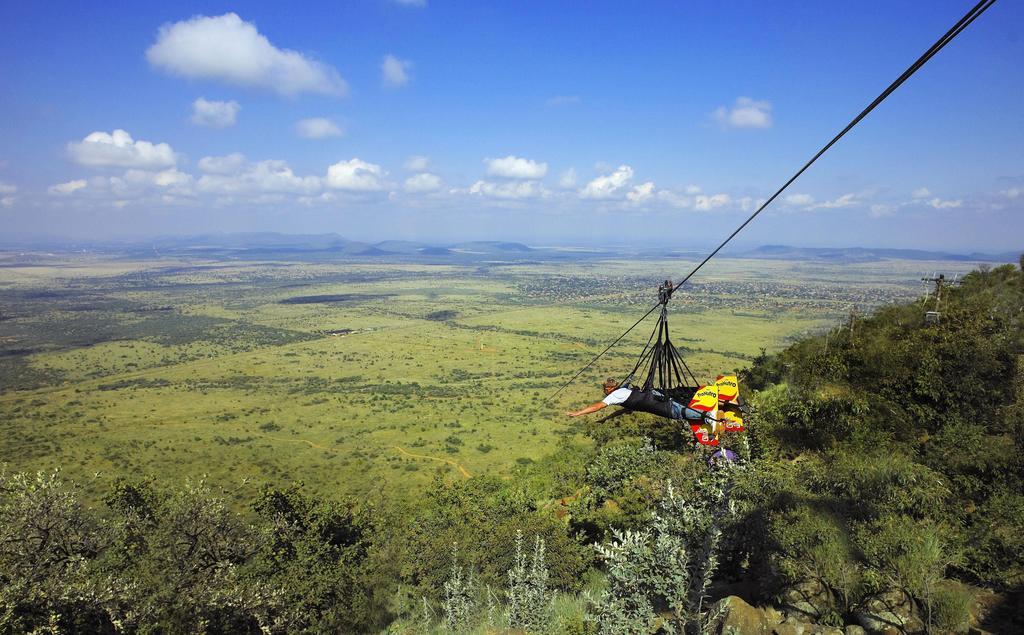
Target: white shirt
617, 396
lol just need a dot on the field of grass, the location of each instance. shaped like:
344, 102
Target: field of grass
360, 377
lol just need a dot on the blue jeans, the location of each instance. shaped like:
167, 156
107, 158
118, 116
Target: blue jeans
679, 411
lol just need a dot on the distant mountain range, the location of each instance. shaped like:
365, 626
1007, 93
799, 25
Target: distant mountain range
868, 254
320, 247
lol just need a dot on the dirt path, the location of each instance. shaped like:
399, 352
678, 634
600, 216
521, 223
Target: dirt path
451, 462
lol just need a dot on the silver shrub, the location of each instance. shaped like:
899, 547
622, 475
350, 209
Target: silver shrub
529, 599
668, 564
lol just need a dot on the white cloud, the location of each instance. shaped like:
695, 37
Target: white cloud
318, 128
170, 178
568, 179
563, 100
513, 167
745, 113
255, 178
394, 72
607, 185
800, 199
938, 203
508, 189
674, 199
641, 193
692, 189
229, 164
214, 114
417, 163
1012, 193
355, 175
118, 149
7, 188
706, 203
846, 200
879, 210
7, 201
64, 189
411, 3
423, 182
228, 49
921, 192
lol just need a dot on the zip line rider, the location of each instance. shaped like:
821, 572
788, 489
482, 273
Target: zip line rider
714, 408
643, 401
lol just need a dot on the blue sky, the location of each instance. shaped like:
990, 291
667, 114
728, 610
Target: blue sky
550, 123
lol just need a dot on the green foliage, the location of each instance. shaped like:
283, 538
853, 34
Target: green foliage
895, 423
458, 595
617, 463
951, 610
528, 597
46, 543
666, 565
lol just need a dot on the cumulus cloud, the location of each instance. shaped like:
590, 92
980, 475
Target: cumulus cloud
706, 203
745, 113
692, 189
513, 167
508, 189
747, 203
641, 193
355, 175
879, 210
63, 189
846, 200
800, 199
7, 188
423, 182
674, 199
608, 185
318, 128
7, 201
1012, 193
228, 164
228, 49
255, 178
118, 149
214, 114
568, 179
417, 163
170, 178
394, 72
939, 203
921, 192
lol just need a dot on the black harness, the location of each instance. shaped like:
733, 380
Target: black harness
648, 401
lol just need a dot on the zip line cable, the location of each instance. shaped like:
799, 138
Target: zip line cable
948, 37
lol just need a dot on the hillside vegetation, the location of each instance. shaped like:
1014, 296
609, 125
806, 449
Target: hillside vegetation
879, 478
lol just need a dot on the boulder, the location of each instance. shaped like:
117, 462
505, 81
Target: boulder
854, 629
740, 617
773, 616
890, 613
809, 600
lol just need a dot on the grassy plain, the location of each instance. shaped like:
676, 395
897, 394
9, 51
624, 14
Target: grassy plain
355, 377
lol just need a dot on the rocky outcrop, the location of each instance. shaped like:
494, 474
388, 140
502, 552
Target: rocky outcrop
744, 619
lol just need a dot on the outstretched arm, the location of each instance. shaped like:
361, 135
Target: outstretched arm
590, 409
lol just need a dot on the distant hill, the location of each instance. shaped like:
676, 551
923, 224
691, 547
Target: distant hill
333, 247
491, 247
867, 254
400, 246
